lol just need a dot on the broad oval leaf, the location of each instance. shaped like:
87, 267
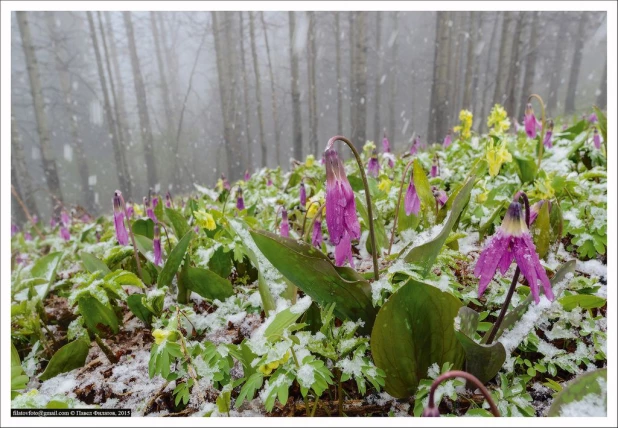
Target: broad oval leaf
311, 271
143, 227
174, 260
46, 268
71, 356
540, 231
93, 264
95, 313
134, 302
579, 389
178, 221
413, 330
381, 238
526, 168
208, 284
423, 188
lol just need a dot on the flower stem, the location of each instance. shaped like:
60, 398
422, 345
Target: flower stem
372, 234
135, 253
302, 233
470, 378
509, 294
403, 180
540, 100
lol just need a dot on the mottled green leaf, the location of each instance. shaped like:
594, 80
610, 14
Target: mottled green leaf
95, 313
540, 231
45, 268
174, 260
584, 387
93, 264
208, 284
584, 301
71, 356
144, 227
178, 221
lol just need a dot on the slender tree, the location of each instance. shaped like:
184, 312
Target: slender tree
297, 133
338, 67
167, 105
602, 97
171, 59
140, 94
441, 81
531, 58
488, 81
576, 63
472, 60
514, 67
378, 80
558, 63
393, 79
36, 90
245, 92
273, 92
20, 174
311, 60
502, 74
352, 87
359, 93
258, 89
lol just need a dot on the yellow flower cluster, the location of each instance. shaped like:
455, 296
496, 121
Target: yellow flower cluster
498, 120
160, 336
205, 220
369, 147
137, 209
385, 185
466, 118
310, 160
267, 369
496, 155
219, 185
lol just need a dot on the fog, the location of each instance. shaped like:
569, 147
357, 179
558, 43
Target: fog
161, 100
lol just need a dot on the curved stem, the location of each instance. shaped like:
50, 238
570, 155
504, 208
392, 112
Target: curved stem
302, 233
403, 180
229, 192
135, 253
470, 378
372, 234
540, 100
277, 218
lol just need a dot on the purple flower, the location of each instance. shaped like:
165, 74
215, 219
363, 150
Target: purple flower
512, 241
155, 202
149, 210
196, 229
21, 259
550, 130
536, 208
596, 139
593, 118
434, 167
226, 184
343, 251
64, 233
412, 203
386, 145
168, 199
240, 202
53, 222
35, 219
341, 218
14, 229
247, 175
130, 210
530, 122
156, 244
303, 195
269, 182
27, 236
284, 229
448, 139
440, 195
121, 231
391, 159
373, 169
414, 147
64, 218
316, 236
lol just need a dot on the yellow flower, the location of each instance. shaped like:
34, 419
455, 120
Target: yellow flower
160, 336
205, 220
310, 160
137, 209
385, 185
498, 120
264, 370
219, 185
496, 156
544, 189
369, 147
466, 118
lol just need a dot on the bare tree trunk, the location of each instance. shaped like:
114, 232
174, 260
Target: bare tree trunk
117, 126
20, 175
352, 86
297, 131
569, 104
339, 84
67, 95
529, 73
557, 66
140, 93
393, 81
313, 98
273, 92
602, 98
472, 60
359, 98
455, 77
36, 89
478, 35
432, 126
167, 106
502, 74
258, 90
488, 79
441, 83
171, 62
245, 85
511, 90
377, 128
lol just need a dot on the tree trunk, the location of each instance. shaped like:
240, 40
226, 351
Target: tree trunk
472, 61
140, 93
441, 82
258, 90
393, 81
569, 104
245, 85
120, 135
533, 45
49, 163
502, 74
433, 102
167, 106
352, 84
455, 72
512, 83
313, 99
359, 98
20, 175
67, 95
297, 131
488, 83
478, 35
557, 65
273, 92
602, 98
377, 126
338, 65
171, 63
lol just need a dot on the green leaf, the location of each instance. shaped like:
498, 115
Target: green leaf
602, 123
573, 131
413, 330
124, 277
526, 168
585, 301
93, 264
580, 388
404, 221
381, 238
485, 228
179, 222
540, 231
423, 188
95, 312
174, 260
19, 380
71, 356
221, 262
555, 222
425, 255
208, 284
282, 320
248, 390
311, 271
46, 268
134, 302
143, 227
468, 321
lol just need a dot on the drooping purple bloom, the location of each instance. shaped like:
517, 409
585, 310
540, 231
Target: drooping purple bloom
536, 208
121, 231
155, 202
341, 218
434, 168
303, 195
86, 218
343, 251
284, 228
64, 218
240, 202
386, 145
373, 168
269, 182
593, 118
512, 241
150, 210
35, 219
391, 159
196, 229
415, 145
14, 229
27, 236
440, 195
226, 184
130, 210
53, 222
247, 175
530, 122
596, 139
316, 235
448, 139
156, 244
64, 233
548, 134
168, 200
412, 203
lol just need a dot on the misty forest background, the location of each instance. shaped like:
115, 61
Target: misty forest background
162, 100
